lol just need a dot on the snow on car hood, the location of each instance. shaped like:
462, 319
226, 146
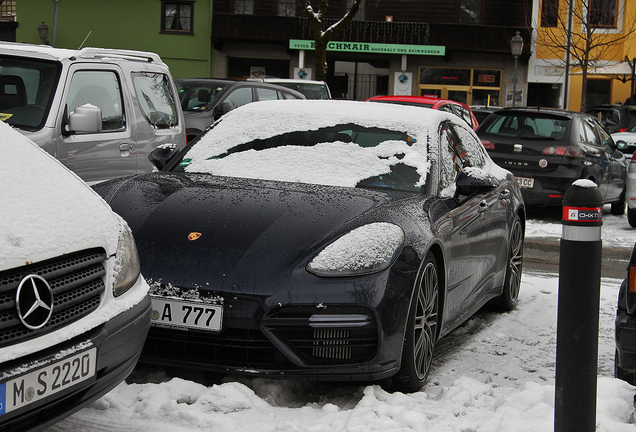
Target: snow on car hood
46, 210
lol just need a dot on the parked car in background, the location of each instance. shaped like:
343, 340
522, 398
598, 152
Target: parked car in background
548, 149
310, 88
98, 111
205, 100
481, 112
75, 309
339, 245
626, 140
625, 326
615, 118
630, 191
459, 109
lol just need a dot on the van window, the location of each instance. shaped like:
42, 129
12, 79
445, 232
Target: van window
27, 88
101, 89
156, 99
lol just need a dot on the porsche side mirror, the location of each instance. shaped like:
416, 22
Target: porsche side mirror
161, 156
474, 180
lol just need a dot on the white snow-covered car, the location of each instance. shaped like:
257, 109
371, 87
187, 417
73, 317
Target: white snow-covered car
74, 308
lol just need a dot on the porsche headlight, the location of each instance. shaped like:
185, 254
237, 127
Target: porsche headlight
368, 249
127, 266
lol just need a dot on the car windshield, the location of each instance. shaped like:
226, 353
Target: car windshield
198, 95
324, 148
526, 125
26, 91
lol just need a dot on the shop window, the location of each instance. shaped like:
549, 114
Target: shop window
549, 13
470, 11
602, 13
447, 76
245, 7
286, 8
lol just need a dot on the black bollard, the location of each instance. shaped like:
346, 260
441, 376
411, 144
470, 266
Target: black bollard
578, 309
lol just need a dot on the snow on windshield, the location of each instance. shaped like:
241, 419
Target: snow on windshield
332, 162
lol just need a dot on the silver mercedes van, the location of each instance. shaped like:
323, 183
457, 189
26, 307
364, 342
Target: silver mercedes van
98, 111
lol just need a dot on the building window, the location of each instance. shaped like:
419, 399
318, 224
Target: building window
244, 7
287, 8
602, 13
177, 17
470, 11
549, 13
7, 10
361, 12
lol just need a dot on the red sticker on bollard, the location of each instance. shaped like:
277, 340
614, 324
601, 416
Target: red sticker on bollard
583, 214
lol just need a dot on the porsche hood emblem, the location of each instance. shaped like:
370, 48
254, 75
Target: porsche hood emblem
194, 235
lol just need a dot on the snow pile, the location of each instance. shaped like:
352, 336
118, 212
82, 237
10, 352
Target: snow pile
495, 373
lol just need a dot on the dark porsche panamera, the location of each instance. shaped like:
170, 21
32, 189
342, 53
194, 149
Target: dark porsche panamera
329, 240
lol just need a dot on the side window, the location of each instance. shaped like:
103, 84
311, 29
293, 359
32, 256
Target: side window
156, 99
101, 89
266, 94
472, 147
177, 17
464, 114
590, 135
240, 97
452, 155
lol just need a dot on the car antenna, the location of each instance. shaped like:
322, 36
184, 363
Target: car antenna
81, 45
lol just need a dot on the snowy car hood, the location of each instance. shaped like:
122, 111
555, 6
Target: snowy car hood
46, 210
198, 229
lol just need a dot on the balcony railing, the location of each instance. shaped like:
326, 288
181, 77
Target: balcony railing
237, 27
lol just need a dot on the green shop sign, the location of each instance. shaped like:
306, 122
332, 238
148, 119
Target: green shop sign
373, 48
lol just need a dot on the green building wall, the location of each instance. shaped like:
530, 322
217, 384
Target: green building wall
122, 24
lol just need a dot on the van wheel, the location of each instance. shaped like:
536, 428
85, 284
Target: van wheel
623, 374
421, 331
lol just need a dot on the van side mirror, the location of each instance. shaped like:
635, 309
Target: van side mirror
85, 118
161, 156
473, 180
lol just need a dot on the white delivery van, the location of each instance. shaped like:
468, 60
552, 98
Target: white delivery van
98, 111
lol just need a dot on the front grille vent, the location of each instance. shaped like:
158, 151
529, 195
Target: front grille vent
77, 284
332, 344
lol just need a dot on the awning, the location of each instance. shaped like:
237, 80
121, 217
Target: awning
621, 71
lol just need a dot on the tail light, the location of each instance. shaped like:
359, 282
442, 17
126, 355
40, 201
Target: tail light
634, 158
563, 151
632, 279
488, 145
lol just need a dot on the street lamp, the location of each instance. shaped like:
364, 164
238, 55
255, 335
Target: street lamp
516, 45
43, 32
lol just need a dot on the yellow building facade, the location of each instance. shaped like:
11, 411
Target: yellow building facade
602, 30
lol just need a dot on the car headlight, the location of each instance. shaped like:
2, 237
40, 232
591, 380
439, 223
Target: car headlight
368, 249
127, 266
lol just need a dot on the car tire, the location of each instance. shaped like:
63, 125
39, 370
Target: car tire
631, 216
514, 265
618, 208
421, 330
623, 374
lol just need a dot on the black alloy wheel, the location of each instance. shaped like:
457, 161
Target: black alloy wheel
421, 330
512, 283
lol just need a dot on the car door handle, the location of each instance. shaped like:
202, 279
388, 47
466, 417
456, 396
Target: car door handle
125, 149
483, 206
505, 194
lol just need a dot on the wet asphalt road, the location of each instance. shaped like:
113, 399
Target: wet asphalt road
543, 255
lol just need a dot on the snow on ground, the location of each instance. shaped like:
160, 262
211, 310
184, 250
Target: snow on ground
494, 373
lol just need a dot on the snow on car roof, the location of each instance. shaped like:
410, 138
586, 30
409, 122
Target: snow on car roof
333, 163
